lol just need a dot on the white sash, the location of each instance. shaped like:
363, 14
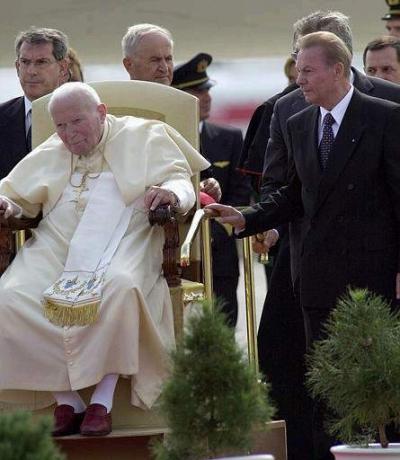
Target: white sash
74, 299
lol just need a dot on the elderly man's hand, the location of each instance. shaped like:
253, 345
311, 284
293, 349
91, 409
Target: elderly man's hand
226, 215
211, 187
263, 242
155, 196
6, 208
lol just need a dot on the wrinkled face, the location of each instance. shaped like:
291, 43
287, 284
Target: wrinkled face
316, 77
393, 27
38, 71
152, 60
204, 101
79, 124
383, 63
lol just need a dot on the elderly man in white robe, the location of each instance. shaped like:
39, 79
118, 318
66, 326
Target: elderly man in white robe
84, 301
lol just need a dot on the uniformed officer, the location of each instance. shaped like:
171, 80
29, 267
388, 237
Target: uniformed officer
221, 146
392, 18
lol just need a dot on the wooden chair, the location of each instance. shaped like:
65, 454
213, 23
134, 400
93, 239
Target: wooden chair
180, 110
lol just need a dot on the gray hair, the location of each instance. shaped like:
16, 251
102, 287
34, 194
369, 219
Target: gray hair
73, 89
36, 35
135, 33
329, 21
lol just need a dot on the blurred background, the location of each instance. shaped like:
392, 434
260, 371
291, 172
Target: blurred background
249, 40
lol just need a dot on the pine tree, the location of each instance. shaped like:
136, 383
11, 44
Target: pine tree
213, 398
23, 439
356, 369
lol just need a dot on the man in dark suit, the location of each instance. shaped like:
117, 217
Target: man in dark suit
276, 156
344, 171
41, 67
221, 146
280, 360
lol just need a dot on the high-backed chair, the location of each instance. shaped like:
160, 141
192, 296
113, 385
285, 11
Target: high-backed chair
180, 110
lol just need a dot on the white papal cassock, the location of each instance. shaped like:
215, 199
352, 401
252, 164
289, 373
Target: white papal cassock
135, 325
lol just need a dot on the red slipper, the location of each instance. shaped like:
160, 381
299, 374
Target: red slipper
96, 421
66, 421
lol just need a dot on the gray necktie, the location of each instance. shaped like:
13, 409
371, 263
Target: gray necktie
327, 140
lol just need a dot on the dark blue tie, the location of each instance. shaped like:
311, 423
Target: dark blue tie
327, 140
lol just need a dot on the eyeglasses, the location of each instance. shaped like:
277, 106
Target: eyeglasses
38, 64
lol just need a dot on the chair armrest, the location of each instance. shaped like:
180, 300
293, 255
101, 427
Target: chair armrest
164, 216
22, 223
7, 239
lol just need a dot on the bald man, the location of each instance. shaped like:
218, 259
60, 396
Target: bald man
72, 300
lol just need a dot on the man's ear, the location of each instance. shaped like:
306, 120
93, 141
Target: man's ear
339, 69
17, 66
63, 69
127, 61
102, 110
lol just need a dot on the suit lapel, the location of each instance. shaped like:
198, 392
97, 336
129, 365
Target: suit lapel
348, 136
14, 121
361, 82
308, 136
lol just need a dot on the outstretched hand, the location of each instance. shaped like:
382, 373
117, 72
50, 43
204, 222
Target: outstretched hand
226, 215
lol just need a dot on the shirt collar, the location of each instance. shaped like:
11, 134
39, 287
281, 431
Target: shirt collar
28, 105
340, 108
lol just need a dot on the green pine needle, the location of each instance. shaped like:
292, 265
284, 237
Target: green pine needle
355, 370
213, 398
21, 438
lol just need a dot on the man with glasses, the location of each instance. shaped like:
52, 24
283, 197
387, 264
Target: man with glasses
41, 66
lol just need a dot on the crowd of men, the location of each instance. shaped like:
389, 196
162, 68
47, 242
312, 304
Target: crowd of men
323, 159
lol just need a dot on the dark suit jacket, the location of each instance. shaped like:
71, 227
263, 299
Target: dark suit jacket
276, 158
221, 146
251, 160
351, 211
13, 144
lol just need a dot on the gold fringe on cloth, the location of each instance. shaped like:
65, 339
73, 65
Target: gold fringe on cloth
62, 315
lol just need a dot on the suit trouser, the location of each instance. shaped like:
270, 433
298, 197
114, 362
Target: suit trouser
225, 289
281, 349
321, 440
225, 271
